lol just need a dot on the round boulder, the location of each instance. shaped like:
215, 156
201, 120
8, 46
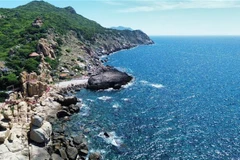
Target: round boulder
37, 121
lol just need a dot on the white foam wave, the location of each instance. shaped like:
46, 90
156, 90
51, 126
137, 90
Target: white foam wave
104, 98
85, 110
90, 100
111, 139
109, 89
125, 99
116, 105
128, 84
155, 85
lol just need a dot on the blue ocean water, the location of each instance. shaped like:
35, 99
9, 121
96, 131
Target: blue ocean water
184, 102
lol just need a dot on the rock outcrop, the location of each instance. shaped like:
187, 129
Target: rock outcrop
46, 48
31, 86
109, 78
37, 23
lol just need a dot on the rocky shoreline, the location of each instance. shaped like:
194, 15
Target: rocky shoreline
26, 121
27, 116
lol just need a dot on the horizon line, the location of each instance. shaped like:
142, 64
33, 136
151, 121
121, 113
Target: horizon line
217, 35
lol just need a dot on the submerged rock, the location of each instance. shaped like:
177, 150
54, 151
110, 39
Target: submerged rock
109, 78
95, 156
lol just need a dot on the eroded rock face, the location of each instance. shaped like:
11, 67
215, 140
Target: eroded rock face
109, 78
31, 85
46, 48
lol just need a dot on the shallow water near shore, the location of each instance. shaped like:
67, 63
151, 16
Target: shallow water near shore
184, 102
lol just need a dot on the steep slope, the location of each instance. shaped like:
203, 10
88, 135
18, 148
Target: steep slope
56, 41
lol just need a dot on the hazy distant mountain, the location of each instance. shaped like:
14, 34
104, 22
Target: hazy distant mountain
121, 28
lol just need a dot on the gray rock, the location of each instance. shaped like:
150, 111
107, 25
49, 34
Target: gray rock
109, 78
4, 135
78, 139
72, 152
55, 156
41, 135
83, 152
38, 153
37, 121
95, 156
63, 153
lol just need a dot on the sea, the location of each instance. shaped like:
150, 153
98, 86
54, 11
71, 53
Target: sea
183, 103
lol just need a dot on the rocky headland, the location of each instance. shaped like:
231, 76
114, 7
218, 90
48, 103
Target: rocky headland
48, 54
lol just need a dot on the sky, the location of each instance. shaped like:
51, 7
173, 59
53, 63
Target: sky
157, 17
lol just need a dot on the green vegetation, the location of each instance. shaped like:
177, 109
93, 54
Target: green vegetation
18, 38
52, 62
10, 79
3, 96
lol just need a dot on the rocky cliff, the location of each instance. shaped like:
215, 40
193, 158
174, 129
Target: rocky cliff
38, 33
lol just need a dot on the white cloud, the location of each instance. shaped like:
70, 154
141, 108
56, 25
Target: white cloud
138, 9
114, 3
149, 6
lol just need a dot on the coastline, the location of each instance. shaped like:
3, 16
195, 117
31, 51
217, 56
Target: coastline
53, 104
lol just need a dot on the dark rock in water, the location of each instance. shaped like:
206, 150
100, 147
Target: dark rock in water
66, 101
72, 152
74, 108
78, 139
83, 152
62, 113
108, 78
106, 134
95, 156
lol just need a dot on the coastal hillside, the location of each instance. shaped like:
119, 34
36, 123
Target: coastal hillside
56, 43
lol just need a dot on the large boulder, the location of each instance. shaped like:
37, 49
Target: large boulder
109, 78
42, 134
67, 101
